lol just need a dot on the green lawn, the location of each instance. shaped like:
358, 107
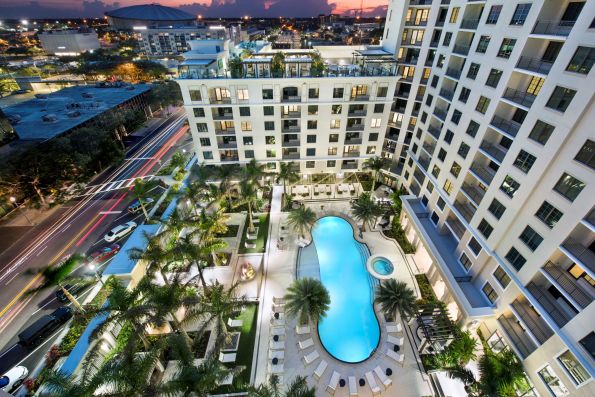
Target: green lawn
261, 240
232, 231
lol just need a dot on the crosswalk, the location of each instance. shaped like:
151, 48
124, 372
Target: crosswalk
113, 185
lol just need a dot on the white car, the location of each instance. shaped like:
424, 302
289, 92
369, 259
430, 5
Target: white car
119, 231
13, 378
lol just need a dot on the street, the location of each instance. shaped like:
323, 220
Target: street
78, 227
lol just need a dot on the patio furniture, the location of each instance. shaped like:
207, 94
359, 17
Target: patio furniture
333, 382
278, 308
398, 357
352, 386
372, 383
227, 357
329, 190
311, 357
234, 323
316, 191
276, 369
278, 354
305, 329
393, 328
352, 188
395, 341
278, 331
362, 382
278, 301
304, 344
386, 381
277, 322
228, 380
319, 371
280, 345
279, 316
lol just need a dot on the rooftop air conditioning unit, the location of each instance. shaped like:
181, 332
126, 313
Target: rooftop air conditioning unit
49, 118
41, 96
74, 114
87, 95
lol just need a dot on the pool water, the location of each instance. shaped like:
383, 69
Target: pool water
383, 267
350, 330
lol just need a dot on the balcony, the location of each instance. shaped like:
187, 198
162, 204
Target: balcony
227, 145
392, 136
420, 2
579, 254
453, 73
473, 192
519, 97
223, 116
291, 98
352, 153
519, 337
353, 141
355, 127
290, 128
434, 43
589, 220
532, 321
461, 49
219, 100
484, 174
349, 166
290, 143
442, 249
225, 131
492, 151
447, 94
408, 60
291, 115
455, 225
469, 24
582, 295
429, 147
434, 131
440, 113
553, 28
290, 156
534, 65
424, 162
402, 94
229, 157
508, 127
357, 113
549, 304
364, 97
466, 209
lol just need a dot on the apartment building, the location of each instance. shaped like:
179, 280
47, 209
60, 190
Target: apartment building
324, 109
70, 42
164, 41
491, 131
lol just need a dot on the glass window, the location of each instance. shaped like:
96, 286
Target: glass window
582, 60
448, 187
441, 154
207, 155
485, 228
541, 132
333, 138
269, 140
201, 127
199, 112
455, 169
373, 137
338, 92
493, 15
569, 187
336, 123
268, 110
473, 70
474, 246
447, 38
311, 138
448, 136
336, 109
464, 94
271, 153
482, 45
553, 383
465, 261
497, 209
381, 92
310, 164
490, 293
506, 48
576, 371
441, 203
267, 93
520, 14
331, 163
494, 78
509, 186
312, 110
531, 238
249, 154
195, 95
454, 14
311, 151
269, 125
535, 85
560, 99
549, 214
463, 150
244, 111
376, 123
588, 343
524, 161
205, 142
313, 93
435, 171
482, 104
456, 116
587, 154
501, 276
332, 151
379, 108
514, 257
246, 126
248, 140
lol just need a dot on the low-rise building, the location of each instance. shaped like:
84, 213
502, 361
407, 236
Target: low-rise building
163, 41
69, 42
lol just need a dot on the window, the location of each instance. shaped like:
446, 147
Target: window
587, 154
541, 132
463, 150
336, 109
373, 137
448, 187
247, 140
381, 92
430, 187
269, 140
535, 85
549, 214
482, 45
456, 116
207, 155
313, 93
474, 246
379, 108
333, 138
441, 203
441, 154
582, 60
205, 142
338, 92
436, 171
249, 154
576, 371
493, 15
448, 136
482, 104
497, 209
268, 110
311, 138
454, 14
494, 78
199, 112
509, 186
244, 111
271, 166
588, 343
243, 94
312, 110
485, 228
520, 14
447, 38
553, 383
267, 93
312, 124
464, 94
271, 153
465, 261
435, 218
524, 161
269, 125
472, 128
560, 99
473, 70
531, 238
201, 127
335, 123
376, 123
455, 169
195, 95
371, 150
310, 164
501, 276
434, 82
246, 126
515, 258
331, 163
490, 293
332, 151
569, 187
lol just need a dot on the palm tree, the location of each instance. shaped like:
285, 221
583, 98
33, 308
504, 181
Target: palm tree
191, 252
287, 174
141, 191
158, 259
249, 196
308, 300
500, 373
253, 173
297, 388
178, 160
365, 209
375, 164
395, 296
301, 219
58, 276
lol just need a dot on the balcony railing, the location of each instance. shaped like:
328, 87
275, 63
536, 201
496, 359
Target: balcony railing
492, 151
359, 97
353, 141
532, 320
355, 127
225, 131
420, 2
291, 98
447, 94
230, 158
534, 65
454, 73
223, 116
408, 60
456, 226
521, 341
485, 174
508, 126
569, 284
351, 153
461, 49
291, 128
579, 252
466, 209
475, 193
424, 162
290, 143
434, 131
548, 304
291, 115
290, 156
440, 113
554, 28
402, 94
219, 100
229, 145
469, 23
522, 98
429, 147
349, 166
358, 112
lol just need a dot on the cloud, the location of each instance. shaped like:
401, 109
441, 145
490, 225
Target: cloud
36, 9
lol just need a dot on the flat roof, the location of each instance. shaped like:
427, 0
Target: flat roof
122, 264
197, 62
67, 109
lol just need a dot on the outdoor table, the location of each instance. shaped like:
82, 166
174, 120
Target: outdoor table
275, 361
362, 382
342, 382
389, 372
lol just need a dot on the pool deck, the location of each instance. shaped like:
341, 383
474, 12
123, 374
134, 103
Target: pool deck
279, 269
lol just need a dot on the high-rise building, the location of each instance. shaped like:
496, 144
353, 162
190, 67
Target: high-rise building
164, 41
491, 131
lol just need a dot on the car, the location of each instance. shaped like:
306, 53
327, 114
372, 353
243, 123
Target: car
37, 332
103, 254
74, 290
11, 380
119, 231
135, 206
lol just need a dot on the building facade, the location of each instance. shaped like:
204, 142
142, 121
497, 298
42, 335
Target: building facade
491, 133
169, 41
69, 42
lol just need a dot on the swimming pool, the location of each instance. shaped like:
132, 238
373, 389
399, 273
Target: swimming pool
383, 266
350, 331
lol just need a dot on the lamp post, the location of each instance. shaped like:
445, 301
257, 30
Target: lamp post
92, 266
13, 200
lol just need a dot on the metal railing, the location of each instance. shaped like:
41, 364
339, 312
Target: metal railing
536, 324
473, 192
290, 143
226, 131
461, 49
508, 126
534, 65
447, 94
353, 141
482, 173
548, 304
466, 209
555, 28
568, 284
580, 252
469, 23
454, 73
355, 127
429, 147
434, 131
291, 98
440, 113
522, 98
290, 156
493, 151
524, 345
351, 154
349, 166
291, 115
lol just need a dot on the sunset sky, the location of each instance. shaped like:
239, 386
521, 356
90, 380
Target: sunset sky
268, 8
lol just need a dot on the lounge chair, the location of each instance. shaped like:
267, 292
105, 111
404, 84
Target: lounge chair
333, 382
352, 386
386, 381
395, 341
311, 357
319, 371
351, 188
278, 331
227, 357
305, 329
278, 315
398, 357
234, 323
372, 383
276, 369
304, 344
278, 354
316, 191
227, 381
276, 300
279, 345
329, 190
392, 328
277, 322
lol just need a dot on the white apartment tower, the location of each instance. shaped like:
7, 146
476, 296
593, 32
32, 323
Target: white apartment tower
492, 132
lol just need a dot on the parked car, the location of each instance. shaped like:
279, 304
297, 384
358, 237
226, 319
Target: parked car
74, 290
103, 254
11, 380
44, 327
135, 206
119, 231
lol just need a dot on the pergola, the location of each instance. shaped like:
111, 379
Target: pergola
437, 329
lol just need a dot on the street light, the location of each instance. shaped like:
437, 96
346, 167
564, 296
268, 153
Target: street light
13, 200
92, 266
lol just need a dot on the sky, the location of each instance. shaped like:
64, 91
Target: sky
208, 8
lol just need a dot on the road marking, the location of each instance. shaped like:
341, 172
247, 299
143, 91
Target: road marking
109, 212
44, 343
41, 308
43, 249
18, 296
6, 351
12, 278
139, 158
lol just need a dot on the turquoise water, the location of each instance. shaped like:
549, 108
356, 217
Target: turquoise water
350, 331
382, 266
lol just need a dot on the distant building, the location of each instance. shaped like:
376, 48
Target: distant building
69, 42
160, 41
52, 115
145, 15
